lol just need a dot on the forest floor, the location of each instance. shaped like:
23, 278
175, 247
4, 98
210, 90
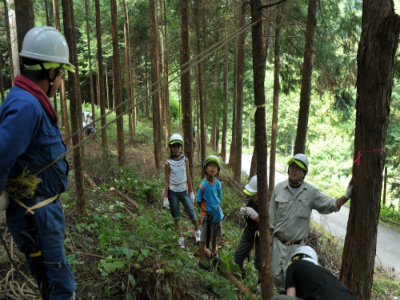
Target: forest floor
123, 251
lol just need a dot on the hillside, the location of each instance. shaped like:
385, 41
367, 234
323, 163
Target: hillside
120, 251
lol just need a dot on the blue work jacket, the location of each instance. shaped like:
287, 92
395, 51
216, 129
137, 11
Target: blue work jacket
28, 139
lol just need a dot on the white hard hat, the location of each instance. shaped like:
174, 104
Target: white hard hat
46, 44
251, 188
176, 138
301, 160
306, 253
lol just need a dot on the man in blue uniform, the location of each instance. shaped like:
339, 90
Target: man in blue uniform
31, 140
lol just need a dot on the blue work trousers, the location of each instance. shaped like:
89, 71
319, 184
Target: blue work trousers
50, 225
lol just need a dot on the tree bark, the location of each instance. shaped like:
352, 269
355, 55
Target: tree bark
74, 93
202, 129
90, 65
215, 104
231, 162
304, 110
275, 101
154, 79
226, 88
47, 13
165, 74
25, 19
185, 87
12, 25
261, 146
63, 101
117, 86
159, 90
237, 171
101, 77
127, 70
375, 59
10, 53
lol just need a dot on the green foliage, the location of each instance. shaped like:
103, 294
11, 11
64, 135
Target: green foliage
144, 132
174, 108
344, 101
385, 287
390, 212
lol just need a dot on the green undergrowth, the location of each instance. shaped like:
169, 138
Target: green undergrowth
388, 214
119, 251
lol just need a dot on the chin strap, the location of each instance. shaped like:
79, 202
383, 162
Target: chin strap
51, 81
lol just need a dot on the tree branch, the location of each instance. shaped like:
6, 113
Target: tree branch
272, 4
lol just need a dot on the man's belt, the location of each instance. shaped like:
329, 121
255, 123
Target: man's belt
288, 243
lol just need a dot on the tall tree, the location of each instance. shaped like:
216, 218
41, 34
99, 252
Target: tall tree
304, 110
24, 17
375, 59
185, 86
74, 93
261, 146
127, 69
275, 100
10, 53
158, 68
131, 68
63, 100
164, 55
154, 79
47, 13
117, 85
101, 75
237, 171
215, 104
226, 88
232, 154
12, 25
202, 129
90, 64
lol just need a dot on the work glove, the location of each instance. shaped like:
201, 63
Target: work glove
4, 200
166, 203
249, 212
192, 197
349, 191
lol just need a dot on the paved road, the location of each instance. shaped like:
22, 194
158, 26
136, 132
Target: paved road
388, 245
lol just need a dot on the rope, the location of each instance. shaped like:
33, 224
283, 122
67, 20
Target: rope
11, 289
38, 205
211, 51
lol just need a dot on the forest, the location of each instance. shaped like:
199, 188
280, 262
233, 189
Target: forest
265, 78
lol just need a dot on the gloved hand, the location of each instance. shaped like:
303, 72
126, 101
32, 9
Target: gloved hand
249, 212
349, 191
4, 200
166, 203
192, 197
242, 211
